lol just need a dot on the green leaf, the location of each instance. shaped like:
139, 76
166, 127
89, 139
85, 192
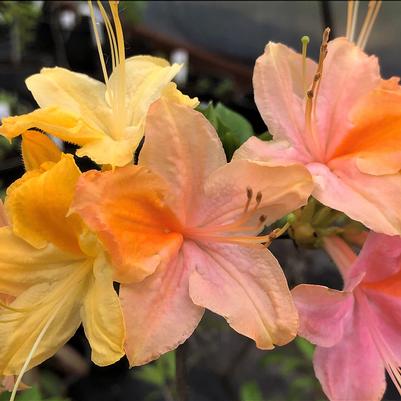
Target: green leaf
160, 372
232, 128
306, 348
266, 136
250, 391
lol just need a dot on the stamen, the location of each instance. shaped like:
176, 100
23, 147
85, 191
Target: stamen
349, 18
364, 39
98, 44
249, 196
258, 200
32, 353
313, 92
305, 41
111, 36
354, 20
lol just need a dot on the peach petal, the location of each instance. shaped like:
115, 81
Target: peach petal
247, 287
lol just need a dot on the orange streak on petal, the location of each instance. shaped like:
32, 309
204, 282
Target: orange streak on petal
126, 209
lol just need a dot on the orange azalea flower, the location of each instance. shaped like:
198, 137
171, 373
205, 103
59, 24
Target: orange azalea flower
53, 272
181, 229
105, 119
339, 119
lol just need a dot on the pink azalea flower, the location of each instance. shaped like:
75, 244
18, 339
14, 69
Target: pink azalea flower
357, 330
339, 119
181, 229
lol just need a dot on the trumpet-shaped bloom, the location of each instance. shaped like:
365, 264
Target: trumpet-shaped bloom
181, 229
357, 330
346, 129
53, 272
105, 119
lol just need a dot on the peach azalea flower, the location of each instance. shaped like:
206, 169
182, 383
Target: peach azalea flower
340, 120
358, 330
181, 229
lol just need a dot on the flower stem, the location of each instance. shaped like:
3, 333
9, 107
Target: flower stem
181, 372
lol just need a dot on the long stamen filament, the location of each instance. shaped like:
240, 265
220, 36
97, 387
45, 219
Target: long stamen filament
365, 38
32, 353
354, 21
349, 18
305, 41
98, 44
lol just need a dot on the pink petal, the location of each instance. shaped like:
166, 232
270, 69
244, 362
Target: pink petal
380, 258
247, 287
158, 312
283, 190
341, 253
323, 313
386, 307
279, 93
372, 200
348, 75
183, 148
351, 370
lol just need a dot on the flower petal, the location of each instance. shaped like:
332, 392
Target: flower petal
348, 75
38, 148
323, 313
352, 369
49, 309
279, 92
283, 189
22, 266
183, 148
102, 316
375, 138
72, 92
38, 207
53, 120
247, 287
159, 313
379, 260
366, 198
126, 209
3, 216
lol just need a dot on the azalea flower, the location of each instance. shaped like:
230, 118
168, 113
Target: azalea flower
341, 120
54, 273
357, 330
181, 229
105, 119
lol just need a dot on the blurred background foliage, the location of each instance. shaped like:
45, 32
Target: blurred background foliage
218, 42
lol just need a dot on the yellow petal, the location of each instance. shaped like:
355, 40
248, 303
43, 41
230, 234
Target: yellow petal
38, 148
72, 92
48, 311
53, 120
3, 215
38, 206
22, 266
172, 94
102, 316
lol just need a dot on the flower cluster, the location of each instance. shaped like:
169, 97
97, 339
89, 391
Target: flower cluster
183, 230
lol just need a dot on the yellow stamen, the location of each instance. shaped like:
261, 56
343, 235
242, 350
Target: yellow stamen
305, 41
32, 353
98, 44
313, 92
354, 21
349, 18
364, 36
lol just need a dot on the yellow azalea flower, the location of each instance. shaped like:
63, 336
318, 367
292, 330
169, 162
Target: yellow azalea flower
53, 272
106, 120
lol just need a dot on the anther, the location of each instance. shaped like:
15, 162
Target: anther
258, 198
262, 218
310, 94
249, 193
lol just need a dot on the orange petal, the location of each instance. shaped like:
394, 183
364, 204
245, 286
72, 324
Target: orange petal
376, 136
38, 204
126, 209
38, 148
